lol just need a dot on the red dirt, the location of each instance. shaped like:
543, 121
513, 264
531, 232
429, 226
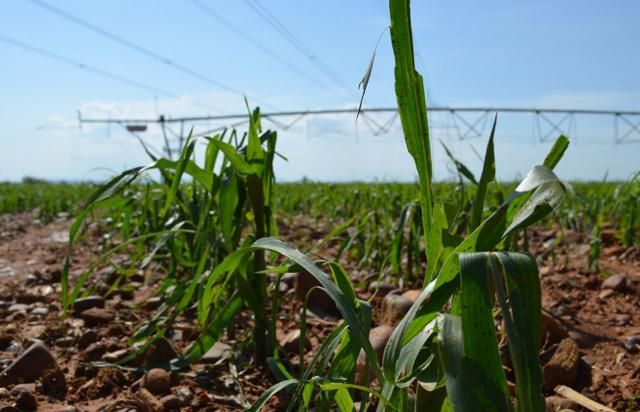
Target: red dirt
605, 326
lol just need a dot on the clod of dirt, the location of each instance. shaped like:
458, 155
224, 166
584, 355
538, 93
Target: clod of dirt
96, 316
184, 394
615, 282
157, 381
105, 383
54, 383
562, 369
551, 329
291, 341
170, 402
394, 307
584, 340
29, 366
116, 330
89, 302
218, 351
149, 402
26, 402
319, 301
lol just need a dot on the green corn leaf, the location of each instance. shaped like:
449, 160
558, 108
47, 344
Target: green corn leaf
460, 167
214, 330
269, 393
518, 289
177, 177
412, 104
344, 305
557, 151
487, 176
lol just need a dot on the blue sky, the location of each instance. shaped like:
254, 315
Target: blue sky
569, 54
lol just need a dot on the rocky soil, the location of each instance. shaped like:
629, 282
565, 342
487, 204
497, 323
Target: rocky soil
591, 329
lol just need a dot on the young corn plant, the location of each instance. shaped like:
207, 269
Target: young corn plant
443, 355
186, 228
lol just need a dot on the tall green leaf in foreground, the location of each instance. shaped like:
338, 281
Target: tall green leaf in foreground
445, 349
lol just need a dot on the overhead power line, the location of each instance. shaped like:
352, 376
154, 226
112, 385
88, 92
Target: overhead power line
141, 49
274, 22
96, 70
257, 44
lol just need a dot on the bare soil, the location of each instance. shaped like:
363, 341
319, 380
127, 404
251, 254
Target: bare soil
600, 318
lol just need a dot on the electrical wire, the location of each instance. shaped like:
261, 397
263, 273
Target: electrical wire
216, 16
96, 70
274, 22
142, 50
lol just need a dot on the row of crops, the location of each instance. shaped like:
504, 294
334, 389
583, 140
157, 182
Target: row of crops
211, 227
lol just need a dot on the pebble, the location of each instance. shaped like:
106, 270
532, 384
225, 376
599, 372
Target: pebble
40, 311
152, 303
378, 336
412, 294
161, 351
30, 365
65, 342
19, 307
113, 357
157, 381
552, 330
23, 387
108, 274
218, 351
562, 368
88, 302
394, 307
26, 402
382, 287
616, 282
291, 341
319, 300
605, 294
87, 338
631, 343
35, 332
94, 351
558, 403
96, 316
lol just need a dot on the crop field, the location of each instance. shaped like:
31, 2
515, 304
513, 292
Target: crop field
203, 283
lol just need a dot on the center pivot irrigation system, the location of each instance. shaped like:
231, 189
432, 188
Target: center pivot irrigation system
467, 122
